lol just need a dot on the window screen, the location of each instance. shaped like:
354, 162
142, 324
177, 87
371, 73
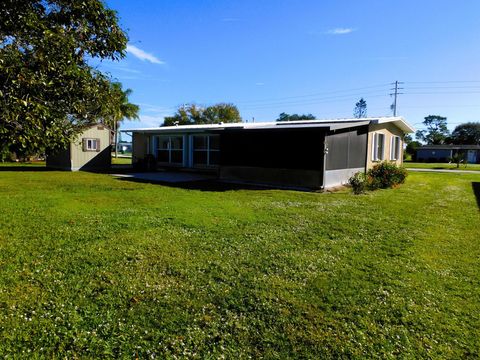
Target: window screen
170, 150
206, 150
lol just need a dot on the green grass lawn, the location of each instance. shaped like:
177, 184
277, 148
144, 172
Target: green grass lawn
121, 160
443, 166
94, 267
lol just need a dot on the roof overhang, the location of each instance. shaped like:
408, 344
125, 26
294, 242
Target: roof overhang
185, 128
334, 124
397, 121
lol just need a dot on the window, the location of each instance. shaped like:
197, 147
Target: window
170, 150
91, 144
206, 150
395, 148
378, 147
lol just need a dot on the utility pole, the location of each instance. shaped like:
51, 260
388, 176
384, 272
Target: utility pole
395, 94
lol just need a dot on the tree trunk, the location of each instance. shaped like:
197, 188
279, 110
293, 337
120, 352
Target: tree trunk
115, 139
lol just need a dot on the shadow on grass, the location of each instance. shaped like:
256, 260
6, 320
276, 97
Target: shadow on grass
210, 185
214, 185
476, 192
24, 168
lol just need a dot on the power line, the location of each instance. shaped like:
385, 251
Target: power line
442, 92
444, 87
312, 95
443, 82
442, 106
312, 101
272, 101
376, 91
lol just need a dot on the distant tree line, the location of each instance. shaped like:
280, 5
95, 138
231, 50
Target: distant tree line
192, 114
466, 134
437, 133
294, 117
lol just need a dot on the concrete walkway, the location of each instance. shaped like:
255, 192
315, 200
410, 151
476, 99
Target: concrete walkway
446, 171
166, 176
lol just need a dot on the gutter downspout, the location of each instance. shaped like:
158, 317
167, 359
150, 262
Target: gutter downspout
366, 150
325, 153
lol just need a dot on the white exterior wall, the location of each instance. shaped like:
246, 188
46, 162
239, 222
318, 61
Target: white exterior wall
389, 130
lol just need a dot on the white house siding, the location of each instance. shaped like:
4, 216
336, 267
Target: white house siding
389, 130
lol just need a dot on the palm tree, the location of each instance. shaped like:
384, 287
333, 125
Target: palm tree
121, 109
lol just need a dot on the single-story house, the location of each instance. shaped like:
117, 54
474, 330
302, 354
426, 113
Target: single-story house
444, 153
124, 146
90, 150
312, 153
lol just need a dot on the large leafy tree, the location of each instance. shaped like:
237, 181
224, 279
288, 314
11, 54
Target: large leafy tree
192, 114
436, 132
48, 91
295, 117
360, 110
466, 134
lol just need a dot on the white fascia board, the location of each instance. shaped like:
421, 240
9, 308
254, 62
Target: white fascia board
399, 121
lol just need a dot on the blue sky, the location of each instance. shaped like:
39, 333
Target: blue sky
319, 57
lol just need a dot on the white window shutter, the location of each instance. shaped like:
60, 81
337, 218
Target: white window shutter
398, 148
382, 155
392, 148
374, 146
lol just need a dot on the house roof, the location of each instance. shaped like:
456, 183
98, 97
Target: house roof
330, 124
449, 147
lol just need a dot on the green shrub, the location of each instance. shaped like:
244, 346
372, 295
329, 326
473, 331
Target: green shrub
358, 182
459, 158
6, 155
385, 175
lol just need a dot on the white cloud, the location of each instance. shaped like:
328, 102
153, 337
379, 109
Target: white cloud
259, 83
340, 31
152, 115
128, 70
151, 121
142, 55
156, 109
230, 19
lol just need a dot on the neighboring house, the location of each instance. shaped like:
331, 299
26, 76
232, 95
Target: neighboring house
91, 150
444, 153
312, 153
124, 147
